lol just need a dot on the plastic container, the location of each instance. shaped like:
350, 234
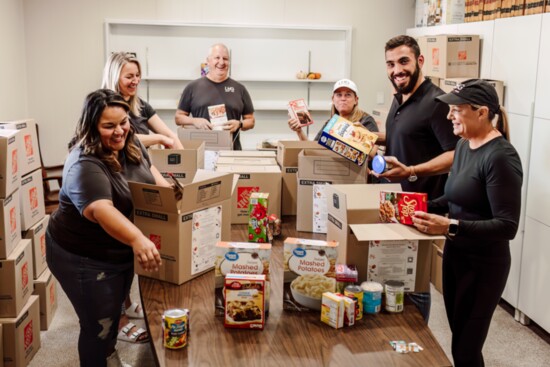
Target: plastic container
372, 297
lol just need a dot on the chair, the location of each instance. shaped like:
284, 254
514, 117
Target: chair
52, 177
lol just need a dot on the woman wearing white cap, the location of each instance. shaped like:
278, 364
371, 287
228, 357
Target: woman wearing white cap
345, 103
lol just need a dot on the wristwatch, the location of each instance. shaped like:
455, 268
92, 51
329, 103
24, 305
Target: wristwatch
413, 177
453, 227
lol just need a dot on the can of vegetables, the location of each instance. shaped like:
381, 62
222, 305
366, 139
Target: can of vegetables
175, 324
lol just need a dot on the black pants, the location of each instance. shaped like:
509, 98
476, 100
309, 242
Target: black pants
472, 286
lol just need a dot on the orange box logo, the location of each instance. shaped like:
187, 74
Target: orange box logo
156, 239
14, 162
463, 55
25, 275
33, 198
435, 56
43, 245
243, 196
13, 220
28, 335
52, 293
28, 145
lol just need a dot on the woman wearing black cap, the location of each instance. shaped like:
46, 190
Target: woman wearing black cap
483, 199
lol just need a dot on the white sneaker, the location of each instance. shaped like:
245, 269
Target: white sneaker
114, 361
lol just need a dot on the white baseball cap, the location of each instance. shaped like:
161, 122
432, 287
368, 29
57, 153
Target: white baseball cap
345, 83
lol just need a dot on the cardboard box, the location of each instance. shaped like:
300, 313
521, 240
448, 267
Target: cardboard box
16, 273
265, 179
182, 163
248, 153
337, 310
1, 345
186, 231
318, 167
347, 139
287, 157
245, 296
353, 204
246, 161
9, 162
45, 287
450, 56
10, 224
37, 235
29, 151
22, 335
31, 199
447, 85
240, 258
213, 139
399, 236
436, 274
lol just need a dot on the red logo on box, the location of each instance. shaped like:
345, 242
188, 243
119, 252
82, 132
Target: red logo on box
28, 335
28, 145
435, 56
243, 196
156, 239
14, 162
33, 198
13, 220
43, 245
25, 275
462, 55
52, 293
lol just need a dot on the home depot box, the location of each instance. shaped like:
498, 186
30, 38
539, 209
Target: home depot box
37, 235
247, 153
29, 151
253, 179
321, 167
450, 56
1, 345
436, 273
10, 224
31, 199
22, 335
185, 231
9, 165
384, 251
16, 286
353, 204
246, 161
450, 83
287, 157
213, 139
45, 288
182, 163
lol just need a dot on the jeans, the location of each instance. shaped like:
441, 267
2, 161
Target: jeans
96, 290
423, 301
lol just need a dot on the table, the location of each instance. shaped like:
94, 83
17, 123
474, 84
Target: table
289, 338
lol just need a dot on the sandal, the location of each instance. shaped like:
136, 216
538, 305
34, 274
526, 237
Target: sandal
132, 311
139, 336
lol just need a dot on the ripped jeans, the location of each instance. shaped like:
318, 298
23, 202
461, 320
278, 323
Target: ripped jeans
96, 290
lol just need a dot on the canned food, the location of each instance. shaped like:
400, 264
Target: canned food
395, 295
356, 291
372, 297
175, 325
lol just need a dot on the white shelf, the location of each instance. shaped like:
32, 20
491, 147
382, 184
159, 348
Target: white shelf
258, 105
239, 79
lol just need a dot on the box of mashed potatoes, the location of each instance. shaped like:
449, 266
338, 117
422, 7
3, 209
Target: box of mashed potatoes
309, 271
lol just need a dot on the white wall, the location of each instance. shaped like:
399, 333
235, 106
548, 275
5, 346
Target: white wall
64, 45
13, 81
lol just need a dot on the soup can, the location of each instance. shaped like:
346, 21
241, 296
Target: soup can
372, 297
395, 295
356, 291
175, 325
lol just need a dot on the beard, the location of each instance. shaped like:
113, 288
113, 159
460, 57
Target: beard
413, 79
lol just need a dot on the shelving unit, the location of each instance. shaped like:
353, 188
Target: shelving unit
264, 58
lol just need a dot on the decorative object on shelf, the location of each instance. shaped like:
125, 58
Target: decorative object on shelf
314, 76
301, 75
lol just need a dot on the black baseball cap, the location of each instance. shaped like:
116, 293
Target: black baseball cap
473, 91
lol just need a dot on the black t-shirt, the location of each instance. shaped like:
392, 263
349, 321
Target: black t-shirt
141, 123
203, 92
87, 179
484, 192
366, 120
417, 131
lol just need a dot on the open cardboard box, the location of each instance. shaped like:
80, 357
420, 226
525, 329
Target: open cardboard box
182, 163
213, 139
185, 231
396, 238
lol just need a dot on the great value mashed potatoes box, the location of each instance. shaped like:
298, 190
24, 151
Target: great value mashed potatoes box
309, 271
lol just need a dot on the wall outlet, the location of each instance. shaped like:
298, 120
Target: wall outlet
380, 97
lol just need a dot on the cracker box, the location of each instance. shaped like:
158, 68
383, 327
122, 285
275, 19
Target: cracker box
298, 110
309, 271
399, 207
240, 258
257, 217
245, 296
351, 141
337, 310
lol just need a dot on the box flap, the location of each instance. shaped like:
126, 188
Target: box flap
208, 188
287, 151
248, 153
389, 231
206, 174
324, 164
248, 169
247, 161
153, 198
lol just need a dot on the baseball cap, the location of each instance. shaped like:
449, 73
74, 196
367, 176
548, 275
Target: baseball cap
473, 91
345, 83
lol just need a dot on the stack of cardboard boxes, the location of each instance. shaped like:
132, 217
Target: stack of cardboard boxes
23, 223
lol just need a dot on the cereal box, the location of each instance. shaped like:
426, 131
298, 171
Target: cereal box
309, 271
257, 217
245, 301
218, 116
298, 110
240, 258
351, 141
399, 207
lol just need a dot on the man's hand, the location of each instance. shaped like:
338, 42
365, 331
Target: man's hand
201, 123
232, 125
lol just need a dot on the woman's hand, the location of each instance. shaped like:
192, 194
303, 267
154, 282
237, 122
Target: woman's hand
430, 223
294, 124
146, 254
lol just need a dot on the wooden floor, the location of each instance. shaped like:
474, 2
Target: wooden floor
289, 338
